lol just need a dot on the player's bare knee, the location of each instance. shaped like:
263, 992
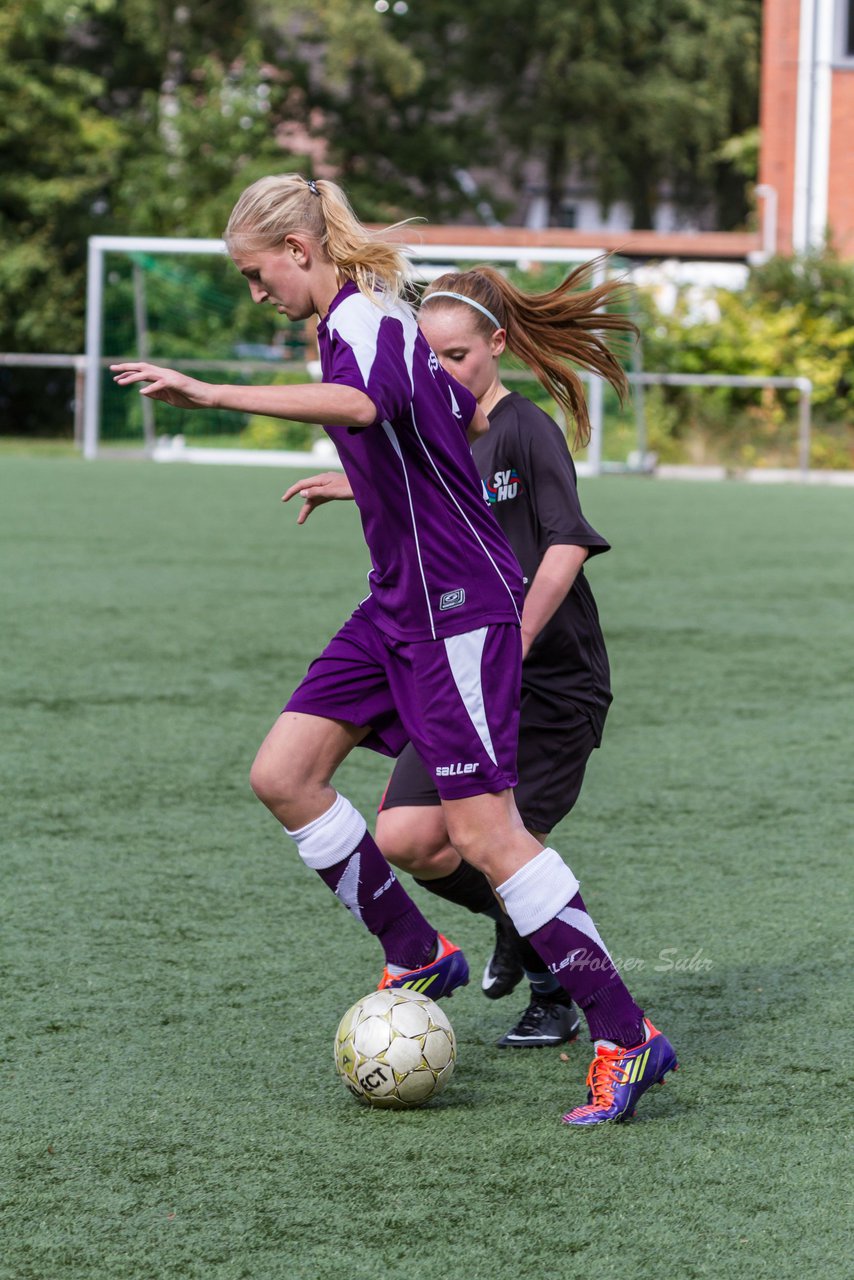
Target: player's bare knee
273, 783
485, 850
392, 838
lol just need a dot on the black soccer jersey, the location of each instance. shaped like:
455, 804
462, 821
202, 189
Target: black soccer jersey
530, 481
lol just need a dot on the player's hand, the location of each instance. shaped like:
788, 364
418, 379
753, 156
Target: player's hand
329, 486
166, 384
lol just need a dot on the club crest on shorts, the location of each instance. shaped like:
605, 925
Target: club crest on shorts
453, 599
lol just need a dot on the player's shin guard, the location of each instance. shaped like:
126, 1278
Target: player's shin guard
543, 901
339, 848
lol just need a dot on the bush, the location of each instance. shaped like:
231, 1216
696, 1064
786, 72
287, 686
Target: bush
278, 433
795, 318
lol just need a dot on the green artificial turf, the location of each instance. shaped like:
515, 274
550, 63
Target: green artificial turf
172, 975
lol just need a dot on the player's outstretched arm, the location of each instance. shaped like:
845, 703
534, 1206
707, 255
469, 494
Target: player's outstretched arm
328, 486
324, 403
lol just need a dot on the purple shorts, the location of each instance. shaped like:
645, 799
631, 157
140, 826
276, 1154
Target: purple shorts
456, 699
556, 739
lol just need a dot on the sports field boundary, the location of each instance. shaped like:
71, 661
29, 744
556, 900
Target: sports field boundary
173, 449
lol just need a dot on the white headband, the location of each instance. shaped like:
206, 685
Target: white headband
461, 297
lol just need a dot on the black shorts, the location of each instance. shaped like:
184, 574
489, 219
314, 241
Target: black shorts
555, 743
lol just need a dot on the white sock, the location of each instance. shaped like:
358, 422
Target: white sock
537, 892
331, 837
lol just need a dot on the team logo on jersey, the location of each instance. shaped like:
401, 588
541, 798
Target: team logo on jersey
503, 486
432, 362
453, 599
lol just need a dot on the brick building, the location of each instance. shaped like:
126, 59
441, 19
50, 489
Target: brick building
806, 166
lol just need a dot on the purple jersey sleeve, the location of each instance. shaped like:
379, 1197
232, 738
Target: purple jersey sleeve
373, 352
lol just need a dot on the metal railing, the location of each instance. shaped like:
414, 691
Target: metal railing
803, 386
77, 363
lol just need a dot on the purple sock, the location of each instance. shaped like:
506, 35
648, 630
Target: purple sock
366, 884
574, 952
544, 904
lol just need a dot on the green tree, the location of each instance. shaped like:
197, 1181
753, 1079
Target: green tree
635, 97
59, 154
380, 99
118, 116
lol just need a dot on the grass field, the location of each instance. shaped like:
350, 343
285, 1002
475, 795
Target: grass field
173, 976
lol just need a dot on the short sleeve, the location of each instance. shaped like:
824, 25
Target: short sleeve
372, 349
553, 486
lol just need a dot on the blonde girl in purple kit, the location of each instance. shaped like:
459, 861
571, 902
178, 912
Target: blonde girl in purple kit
433, 652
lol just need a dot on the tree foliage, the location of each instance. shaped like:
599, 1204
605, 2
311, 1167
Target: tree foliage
635, 98
149, 116
793, 319
120, 116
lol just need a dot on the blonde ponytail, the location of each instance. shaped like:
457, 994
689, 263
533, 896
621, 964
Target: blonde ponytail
286, 203
546, 330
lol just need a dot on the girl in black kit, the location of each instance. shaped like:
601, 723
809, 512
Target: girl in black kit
469, 318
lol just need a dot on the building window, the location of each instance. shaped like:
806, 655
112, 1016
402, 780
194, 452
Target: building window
568, 213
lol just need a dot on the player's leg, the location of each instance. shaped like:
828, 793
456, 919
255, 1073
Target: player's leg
542, 898
410, 828
459, 699
414, 839
412, 834
556, 740
550, 1017
467, 735
292, 776
344, 701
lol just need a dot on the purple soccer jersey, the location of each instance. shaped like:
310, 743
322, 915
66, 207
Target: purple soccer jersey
440, 563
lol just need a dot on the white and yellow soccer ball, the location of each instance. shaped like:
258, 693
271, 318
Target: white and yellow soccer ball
395, 1048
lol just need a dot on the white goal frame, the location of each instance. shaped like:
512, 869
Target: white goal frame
437, 254
426, 254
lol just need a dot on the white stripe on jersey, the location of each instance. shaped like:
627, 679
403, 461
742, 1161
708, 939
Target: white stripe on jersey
358, 320
465, 654
390, 432
463, 514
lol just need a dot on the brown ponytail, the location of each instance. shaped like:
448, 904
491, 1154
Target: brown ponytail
546, 330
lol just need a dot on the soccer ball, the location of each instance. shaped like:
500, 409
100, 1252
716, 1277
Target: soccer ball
395, 1048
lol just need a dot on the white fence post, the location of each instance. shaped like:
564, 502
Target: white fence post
94, 326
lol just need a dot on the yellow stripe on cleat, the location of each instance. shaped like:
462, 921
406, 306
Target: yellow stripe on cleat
418, 984
637, 1070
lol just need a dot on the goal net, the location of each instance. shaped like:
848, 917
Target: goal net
181, 303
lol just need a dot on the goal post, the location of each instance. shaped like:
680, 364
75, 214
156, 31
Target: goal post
99, 246
212, 344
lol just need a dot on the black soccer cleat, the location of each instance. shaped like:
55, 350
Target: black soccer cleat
503, 971
547, 1021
